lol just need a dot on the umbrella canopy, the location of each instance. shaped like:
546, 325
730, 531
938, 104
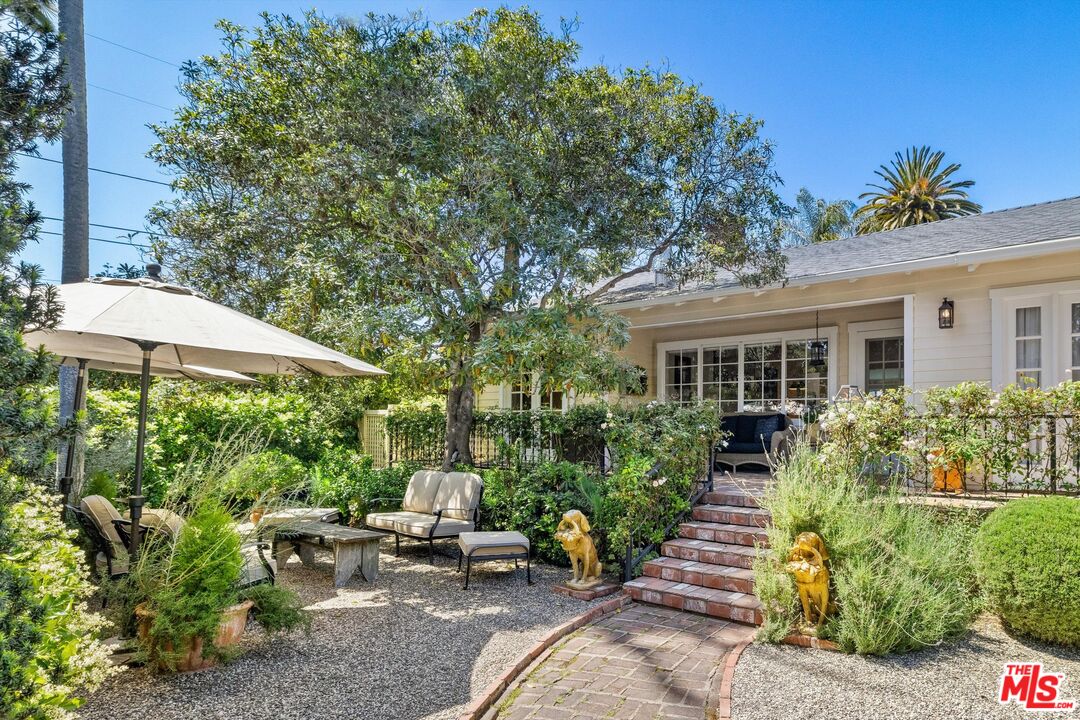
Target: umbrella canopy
164, 369
109, 317
172, 328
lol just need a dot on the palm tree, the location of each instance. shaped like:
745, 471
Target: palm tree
75, 263
915, 191
817, 220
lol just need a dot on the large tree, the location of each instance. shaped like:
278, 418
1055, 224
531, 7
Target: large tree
467, 188
916, 189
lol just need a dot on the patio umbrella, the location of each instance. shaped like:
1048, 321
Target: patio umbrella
146, 320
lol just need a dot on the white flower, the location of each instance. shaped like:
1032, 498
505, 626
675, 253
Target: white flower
851, 417
723, 443
661, 481
930, 457
656, 483
603, 426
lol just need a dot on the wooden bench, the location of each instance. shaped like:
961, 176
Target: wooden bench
353, 548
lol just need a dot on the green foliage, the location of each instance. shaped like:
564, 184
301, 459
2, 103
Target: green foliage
432, 195
347, 480
49, 652
188, 420
267, 474
901, 579
916, 190
101, 483
532, 501
1026, 555
277, 609
198, 582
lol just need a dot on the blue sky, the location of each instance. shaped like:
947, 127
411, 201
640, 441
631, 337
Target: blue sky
841, 86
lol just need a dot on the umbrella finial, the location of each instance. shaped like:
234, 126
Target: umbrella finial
153, 271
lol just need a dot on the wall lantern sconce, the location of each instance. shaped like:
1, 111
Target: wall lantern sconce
946, 314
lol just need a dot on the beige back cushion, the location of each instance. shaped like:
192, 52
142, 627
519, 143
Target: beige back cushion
461, 493
102, 512
164, 520
423, 487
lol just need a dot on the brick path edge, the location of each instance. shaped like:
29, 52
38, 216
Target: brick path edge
718, 706
478, 707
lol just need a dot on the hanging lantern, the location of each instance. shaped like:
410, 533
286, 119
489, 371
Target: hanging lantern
946, 314
818, 349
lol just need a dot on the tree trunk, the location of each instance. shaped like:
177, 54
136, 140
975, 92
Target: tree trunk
460, 403
75, 260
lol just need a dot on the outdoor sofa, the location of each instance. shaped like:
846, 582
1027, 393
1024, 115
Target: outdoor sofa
436, 506
754, 438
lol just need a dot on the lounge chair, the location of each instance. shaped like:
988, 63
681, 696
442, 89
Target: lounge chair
436, 506
109, 534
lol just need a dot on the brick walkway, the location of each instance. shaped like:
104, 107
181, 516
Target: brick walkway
644, 663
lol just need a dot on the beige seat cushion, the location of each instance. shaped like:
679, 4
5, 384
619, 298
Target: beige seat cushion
102, 512
423, 487
459, 495
479, 544
385, 521
419, 525
166, 521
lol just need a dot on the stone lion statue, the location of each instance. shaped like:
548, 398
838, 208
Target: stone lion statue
573, 534
806, 561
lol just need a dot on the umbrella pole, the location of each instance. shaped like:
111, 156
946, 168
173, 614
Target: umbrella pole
67, 479
135, 502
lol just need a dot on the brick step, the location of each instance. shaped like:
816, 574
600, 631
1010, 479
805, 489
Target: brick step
737, 607
724, 533
731, 515
738, 498
717, 577
712, 553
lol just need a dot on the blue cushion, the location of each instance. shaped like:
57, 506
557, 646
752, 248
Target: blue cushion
765, 428
744, 428
728, 424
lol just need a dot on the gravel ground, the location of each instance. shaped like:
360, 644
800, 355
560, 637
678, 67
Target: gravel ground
957, 681
412, 646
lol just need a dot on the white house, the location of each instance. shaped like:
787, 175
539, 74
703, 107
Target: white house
988, 297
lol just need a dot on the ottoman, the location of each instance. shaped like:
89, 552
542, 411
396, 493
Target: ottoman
502, 545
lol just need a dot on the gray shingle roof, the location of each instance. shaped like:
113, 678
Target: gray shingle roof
1053, 220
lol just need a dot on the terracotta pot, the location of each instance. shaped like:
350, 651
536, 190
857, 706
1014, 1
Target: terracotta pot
257, 514
233, 621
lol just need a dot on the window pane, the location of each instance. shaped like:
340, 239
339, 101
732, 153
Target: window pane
710, 356
772, 390
729, 406
1029, 354
710, 374
730, 354
874, 350
796, 369
752, 371
1076, 317
752, 353
1028, 321
729, 373
796, 350
711, 392
772, 352
1076, 353
1029, 378
892, 349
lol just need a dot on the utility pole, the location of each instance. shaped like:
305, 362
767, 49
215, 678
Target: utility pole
75, 263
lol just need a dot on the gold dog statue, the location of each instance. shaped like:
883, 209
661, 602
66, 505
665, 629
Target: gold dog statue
573, 534
806, 561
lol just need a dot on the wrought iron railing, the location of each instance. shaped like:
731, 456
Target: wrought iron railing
998, 455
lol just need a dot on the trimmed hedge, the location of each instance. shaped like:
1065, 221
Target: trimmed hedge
1027, 556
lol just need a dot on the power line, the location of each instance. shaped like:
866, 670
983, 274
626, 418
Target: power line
114, 227
130, 49
111, 242
129, 97
107, 172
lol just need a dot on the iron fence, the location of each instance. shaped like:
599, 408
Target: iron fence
503, 439
989, 455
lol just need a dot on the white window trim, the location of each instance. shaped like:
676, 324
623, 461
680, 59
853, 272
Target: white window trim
1055, 300
858, 334
830, 333
506, 394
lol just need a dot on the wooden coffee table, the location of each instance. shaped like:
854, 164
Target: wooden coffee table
353, 548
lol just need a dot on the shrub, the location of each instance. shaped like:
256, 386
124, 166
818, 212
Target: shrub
49, 653
901, 579
348, 480
264, 474
1026, 554
276, 609
532, 501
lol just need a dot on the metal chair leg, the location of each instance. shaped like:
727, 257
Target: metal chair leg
468, 571
431, 551
397, 545
528, 570
459, 555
